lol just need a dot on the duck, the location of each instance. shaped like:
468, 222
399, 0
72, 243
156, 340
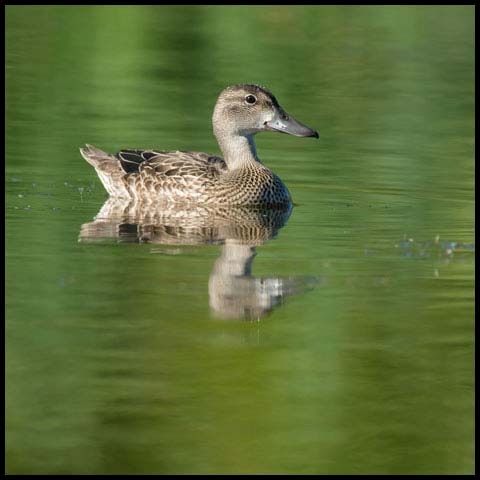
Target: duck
188, 177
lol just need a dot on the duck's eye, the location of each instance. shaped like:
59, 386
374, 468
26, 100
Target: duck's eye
250, 99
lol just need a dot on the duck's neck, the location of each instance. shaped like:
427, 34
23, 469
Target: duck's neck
238, 150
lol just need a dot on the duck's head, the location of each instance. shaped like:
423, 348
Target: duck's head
248, 109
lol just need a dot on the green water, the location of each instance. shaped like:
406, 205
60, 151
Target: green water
117, 360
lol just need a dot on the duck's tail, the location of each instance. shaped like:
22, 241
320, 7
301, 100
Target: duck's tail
108, 168
94, 156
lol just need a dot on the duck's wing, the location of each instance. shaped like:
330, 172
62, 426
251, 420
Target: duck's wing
170, 163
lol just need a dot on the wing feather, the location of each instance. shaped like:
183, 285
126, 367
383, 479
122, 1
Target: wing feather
170, 163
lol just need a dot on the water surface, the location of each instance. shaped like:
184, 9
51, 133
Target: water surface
117, 357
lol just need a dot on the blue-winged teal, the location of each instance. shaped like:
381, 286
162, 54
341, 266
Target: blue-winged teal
239, 178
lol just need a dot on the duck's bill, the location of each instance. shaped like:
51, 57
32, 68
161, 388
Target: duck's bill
284, 123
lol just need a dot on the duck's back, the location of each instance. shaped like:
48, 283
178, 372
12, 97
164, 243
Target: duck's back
178, 176
184, 176
156, 175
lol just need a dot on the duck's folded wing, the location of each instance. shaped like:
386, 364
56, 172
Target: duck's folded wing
170, 163
130, 160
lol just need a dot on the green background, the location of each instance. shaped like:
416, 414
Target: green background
114, 361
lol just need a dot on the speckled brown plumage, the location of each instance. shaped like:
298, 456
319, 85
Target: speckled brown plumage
239, 178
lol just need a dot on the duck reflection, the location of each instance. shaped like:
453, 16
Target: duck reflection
233, 291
